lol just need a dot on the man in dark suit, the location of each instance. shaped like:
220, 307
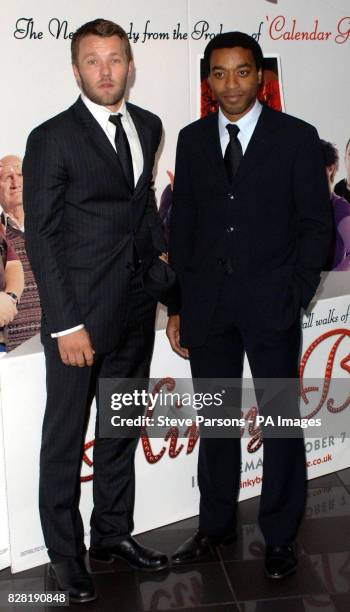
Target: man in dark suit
250, 232
92, 226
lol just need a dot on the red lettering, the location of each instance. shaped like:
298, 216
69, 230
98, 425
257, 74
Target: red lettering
278, 31
344, 365
87, 461
277, 25
343, 29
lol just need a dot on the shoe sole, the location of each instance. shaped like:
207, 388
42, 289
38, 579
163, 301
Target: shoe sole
273, 577
111, 560
85, 600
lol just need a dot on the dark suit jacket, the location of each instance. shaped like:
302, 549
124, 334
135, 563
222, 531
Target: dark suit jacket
82, 220
274, 223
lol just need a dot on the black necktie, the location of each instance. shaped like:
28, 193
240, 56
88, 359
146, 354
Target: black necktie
233, 153
123, 149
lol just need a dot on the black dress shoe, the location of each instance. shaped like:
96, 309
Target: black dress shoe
195, 548
72, 576
136, 555
280, 561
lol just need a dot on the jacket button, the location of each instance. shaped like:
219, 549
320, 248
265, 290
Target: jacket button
230, 229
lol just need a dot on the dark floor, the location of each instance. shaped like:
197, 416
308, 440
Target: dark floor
232, 579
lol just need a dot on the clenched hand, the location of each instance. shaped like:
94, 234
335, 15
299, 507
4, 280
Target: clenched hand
8, 309
76, 349
173, 333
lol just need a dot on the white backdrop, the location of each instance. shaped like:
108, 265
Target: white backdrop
38, 82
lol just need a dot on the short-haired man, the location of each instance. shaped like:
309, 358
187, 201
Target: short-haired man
91, 221
27, 321
250, 232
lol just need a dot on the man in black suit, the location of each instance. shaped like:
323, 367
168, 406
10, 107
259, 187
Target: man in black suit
250, 232
92, 226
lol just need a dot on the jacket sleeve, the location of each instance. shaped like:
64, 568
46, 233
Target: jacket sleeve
152, 217
314, 214
44, 186
183, 214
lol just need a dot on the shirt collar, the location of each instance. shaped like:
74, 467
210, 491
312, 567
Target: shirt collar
7, 220
101, 113
247, 122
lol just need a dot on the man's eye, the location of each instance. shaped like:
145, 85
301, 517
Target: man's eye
92, 61
116, 61
243, 73
218, 75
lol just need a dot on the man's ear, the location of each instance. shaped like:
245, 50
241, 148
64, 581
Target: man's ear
76, 74
260, 76
130, 68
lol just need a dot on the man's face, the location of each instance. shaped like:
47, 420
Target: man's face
234, 80
11, 182
102, 69
347, 163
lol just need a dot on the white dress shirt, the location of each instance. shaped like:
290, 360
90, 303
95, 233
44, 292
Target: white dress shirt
246, 126
102, 114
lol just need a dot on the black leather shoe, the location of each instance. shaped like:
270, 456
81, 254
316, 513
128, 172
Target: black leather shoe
136, 555
72, 576
195, 548
280, 561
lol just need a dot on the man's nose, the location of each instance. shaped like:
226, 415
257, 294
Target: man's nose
105, 68
231, 80
15, 181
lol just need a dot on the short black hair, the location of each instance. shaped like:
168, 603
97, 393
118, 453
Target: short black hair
330, 153
228, 40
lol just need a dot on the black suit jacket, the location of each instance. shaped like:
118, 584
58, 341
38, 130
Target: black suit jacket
83, 221
274, 223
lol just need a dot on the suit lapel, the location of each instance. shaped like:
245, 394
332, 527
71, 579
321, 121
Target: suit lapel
97, 138
145, 137
212, 147
259, 146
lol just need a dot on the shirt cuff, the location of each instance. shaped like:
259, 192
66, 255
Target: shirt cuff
67, 331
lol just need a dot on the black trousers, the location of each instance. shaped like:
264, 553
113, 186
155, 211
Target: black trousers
70, 391
272, 354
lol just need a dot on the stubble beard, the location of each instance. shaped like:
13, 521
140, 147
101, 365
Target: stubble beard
103, 98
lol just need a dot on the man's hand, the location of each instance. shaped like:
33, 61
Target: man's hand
76, 349
173, 333
8, 309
